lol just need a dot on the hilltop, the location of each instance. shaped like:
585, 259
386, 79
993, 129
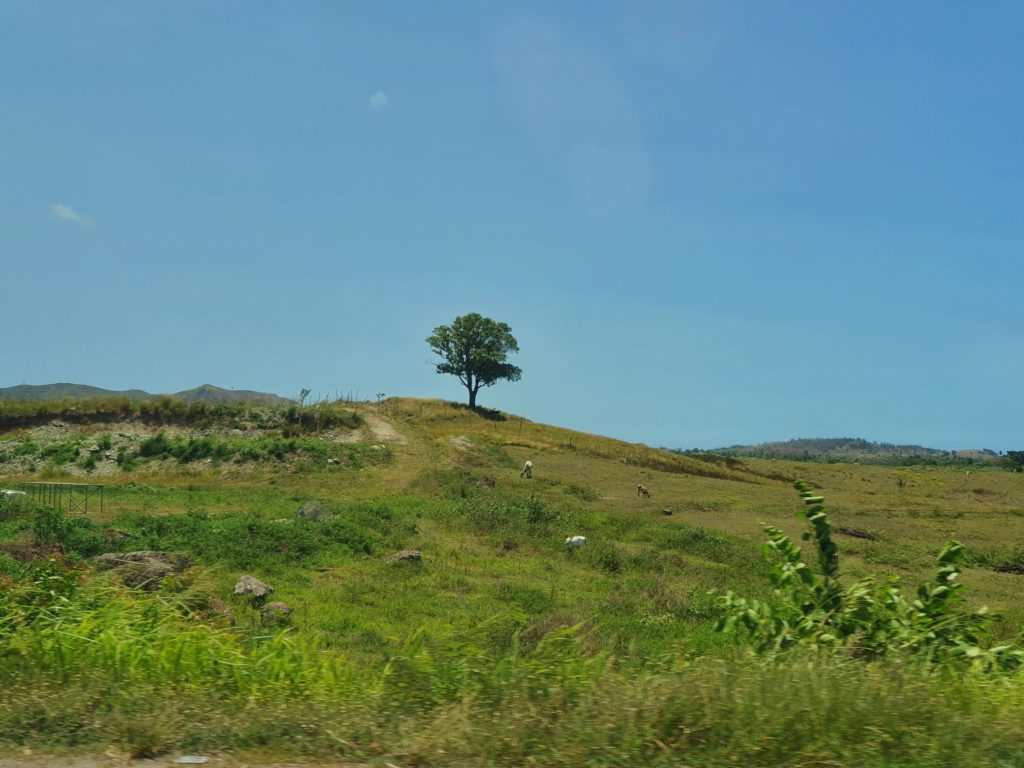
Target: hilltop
206, 393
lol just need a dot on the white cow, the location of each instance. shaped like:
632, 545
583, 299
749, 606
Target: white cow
576, 541
9, 494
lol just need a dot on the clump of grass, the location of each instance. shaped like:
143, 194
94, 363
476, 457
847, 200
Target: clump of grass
249, 540
522, 514
264, 448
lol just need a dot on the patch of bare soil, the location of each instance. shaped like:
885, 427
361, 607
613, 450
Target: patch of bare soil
381, 429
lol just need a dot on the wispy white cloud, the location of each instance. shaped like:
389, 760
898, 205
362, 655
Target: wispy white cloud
67, 213
379, 100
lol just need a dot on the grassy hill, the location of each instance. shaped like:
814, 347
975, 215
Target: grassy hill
500, 646
206, 393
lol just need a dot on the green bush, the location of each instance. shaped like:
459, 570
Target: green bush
493, 514
76, 536
126, 460
155, 446
865, 619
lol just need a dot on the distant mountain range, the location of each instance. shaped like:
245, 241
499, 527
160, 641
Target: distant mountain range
850, 449
206, 393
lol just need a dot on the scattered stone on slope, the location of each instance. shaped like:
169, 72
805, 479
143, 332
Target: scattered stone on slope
314, 510
1016, 568
856, 533
222, 609
144, 569
275, 611
405, 556
250, 585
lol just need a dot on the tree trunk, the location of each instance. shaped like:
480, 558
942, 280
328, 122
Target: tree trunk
472, 397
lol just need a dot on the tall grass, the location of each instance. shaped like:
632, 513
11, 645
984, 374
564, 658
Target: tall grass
93, 666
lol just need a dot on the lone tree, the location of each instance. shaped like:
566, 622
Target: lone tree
474, 348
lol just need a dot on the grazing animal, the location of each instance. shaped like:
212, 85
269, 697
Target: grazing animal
641, 490
527, 470
12, 494
576, 541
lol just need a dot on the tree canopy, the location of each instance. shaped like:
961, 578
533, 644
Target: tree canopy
475, 349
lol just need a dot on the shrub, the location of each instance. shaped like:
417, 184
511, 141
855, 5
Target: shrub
155, 446
77, 536
865, 619
489, 514
61, 453
126, 460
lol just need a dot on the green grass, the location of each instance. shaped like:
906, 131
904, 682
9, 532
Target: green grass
143, 674
501, 647
259, 449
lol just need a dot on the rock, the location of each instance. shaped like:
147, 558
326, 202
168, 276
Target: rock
856, 533
178, 561
314, 510
487, 484
116, 536
406, 556
333, 461
144, 569
222, 609
666, 511
250, 585
275, 611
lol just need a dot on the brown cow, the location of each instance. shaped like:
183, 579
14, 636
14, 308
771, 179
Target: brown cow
641, 490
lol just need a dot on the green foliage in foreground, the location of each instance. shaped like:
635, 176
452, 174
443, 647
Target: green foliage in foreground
86, 665
867, 619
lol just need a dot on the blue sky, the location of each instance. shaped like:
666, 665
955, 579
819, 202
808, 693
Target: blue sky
707, 223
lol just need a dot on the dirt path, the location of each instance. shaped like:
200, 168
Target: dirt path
382, 429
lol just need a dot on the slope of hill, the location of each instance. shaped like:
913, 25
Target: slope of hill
206, 393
